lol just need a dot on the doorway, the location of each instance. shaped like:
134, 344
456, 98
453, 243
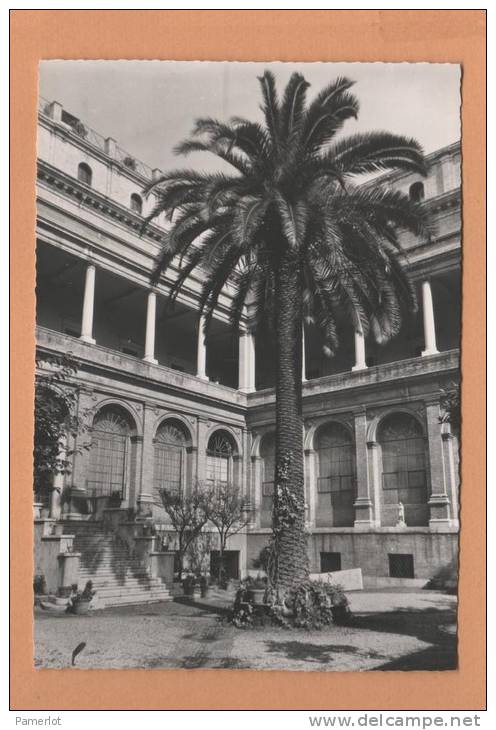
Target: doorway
231, 563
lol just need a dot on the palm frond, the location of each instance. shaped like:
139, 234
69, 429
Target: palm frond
376, 151
293, 107
270, 106
327, 114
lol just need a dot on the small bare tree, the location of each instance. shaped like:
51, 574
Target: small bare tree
228, 514
188, 514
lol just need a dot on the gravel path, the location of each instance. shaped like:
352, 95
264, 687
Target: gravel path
413, 630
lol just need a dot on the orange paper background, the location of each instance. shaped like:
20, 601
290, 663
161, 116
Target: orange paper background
456, 36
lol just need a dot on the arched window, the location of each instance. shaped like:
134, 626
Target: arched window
416, 192
85, 174
268, 454
136, 203
336, 485
169, 457
219, 459
404, 471
109, 453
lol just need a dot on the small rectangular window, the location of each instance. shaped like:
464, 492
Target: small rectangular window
330, 562
401, 565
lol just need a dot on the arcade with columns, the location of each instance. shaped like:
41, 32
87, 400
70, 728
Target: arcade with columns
165, 406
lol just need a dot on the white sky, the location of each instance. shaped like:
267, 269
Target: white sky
149, 106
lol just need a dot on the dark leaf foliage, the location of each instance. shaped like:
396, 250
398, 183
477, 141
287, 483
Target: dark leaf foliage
294, 186
55, 418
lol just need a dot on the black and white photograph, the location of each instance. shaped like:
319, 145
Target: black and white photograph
247, 390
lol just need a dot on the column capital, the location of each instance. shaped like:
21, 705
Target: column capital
434, 400
359, 411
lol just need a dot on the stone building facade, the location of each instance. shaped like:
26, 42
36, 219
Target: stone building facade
165, 407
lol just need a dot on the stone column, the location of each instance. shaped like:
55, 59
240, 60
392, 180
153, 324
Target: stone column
201, 457
237, 472
360, 363
374, 478
303, 356
150, 328
88, 305
451, 473
311, 485
201, 353
81, 456
145, 482
439, 502
191, 469
58, 485
364, 515
246, 362
429, 323
256, 489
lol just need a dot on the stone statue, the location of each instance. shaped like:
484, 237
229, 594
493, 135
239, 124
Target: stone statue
401, 515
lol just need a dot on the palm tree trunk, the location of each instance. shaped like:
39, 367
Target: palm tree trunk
289, 497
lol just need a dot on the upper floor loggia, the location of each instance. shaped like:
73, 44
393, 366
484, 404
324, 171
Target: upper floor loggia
83, 295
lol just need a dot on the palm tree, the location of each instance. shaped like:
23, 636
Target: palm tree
301, 240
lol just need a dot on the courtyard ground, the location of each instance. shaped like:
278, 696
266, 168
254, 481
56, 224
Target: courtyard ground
400, 629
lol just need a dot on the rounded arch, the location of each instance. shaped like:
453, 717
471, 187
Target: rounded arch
336, 474
114, 418
335, 425
404, 421
310, 436
255, 445
416, 192
267, 474
180, 421
222, 441
267, 443
375, 424
404, 467
230, 435
136, 203
85, 173
110, 452
127, 408
221, 450
171, 456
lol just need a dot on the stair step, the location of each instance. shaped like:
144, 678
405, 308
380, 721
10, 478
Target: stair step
119, 591
138, 601
103, 584
118, 577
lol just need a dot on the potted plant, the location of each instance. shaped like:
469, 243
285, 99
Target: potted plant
189, 584
204, 586
129, 162
197, 591
258, 589
79, 601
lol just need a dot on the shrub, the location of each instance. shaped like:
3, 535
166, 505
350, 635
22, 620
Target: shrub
312, 605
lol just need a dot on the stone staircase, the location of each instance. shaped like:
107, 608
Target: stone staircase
118, 578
